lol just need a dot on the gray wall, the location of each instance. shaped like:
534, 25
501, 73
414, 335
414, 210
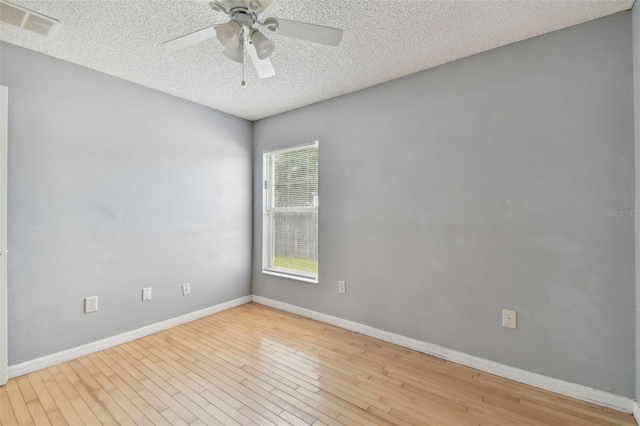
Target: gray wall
482, 184
114, 187
636, 115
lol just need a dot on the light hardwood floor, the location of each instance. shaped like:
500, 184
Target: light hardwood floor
257, 365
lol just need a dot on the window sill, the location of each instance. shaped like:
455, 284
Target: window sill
291, 277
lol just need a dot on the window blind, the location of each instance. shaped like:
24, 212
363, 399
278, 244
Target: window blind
290, 221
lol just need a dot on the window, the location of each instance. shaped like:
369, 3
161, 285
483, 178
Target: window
290, 213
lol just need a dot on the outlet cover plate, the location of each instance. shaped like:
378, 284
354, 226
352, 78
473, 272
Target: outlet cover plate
186, 289
146, 294
509, 318
90, 304
342, 287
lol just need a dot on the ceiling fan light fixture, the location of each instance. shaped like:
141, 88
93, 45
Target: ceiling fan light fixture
229, 34
234, 55
264, 46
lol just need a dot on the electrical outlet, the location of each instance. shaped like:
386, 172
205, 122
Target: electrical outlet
146, 294
186, 289
342, 287
508, 318
90, 304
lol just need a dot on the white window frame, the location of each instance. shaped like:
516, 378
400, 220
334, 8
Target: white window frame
267, 222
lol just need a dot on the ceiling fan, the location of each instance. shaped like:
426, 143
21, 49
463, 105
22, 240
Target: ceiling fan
242, 32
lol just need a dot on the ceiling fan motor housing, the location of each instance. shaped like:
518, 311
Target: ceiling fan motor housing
253, 6
244, 17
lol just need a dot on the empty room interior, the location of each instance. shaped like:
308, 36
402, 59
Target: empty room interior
327, 212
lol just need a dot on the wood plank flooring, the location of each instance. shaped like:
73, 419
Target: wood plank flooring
257, 365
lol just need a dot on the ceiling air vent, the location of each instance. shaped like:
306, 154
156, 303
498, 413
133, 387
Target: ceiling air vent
26, 19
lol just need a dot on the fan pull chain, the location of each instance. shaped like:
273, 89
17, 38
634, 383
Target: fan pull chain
242, 49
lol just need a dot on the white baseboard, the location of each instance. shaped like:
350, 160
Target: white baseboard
572, 390
57, 358
636, 412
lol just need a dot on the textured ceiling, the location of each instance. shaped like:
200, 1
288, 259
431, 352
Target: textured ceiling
383, 40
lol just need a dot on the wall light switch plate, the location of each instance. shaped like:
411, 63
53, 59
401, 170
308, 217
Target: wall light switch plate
186, 289
90, 304
342, 287
509, 318
146, 294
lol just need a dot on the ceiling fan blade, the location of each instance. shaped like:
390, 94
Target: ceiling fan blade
258, 6
263, 66
189, 39
302, 31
